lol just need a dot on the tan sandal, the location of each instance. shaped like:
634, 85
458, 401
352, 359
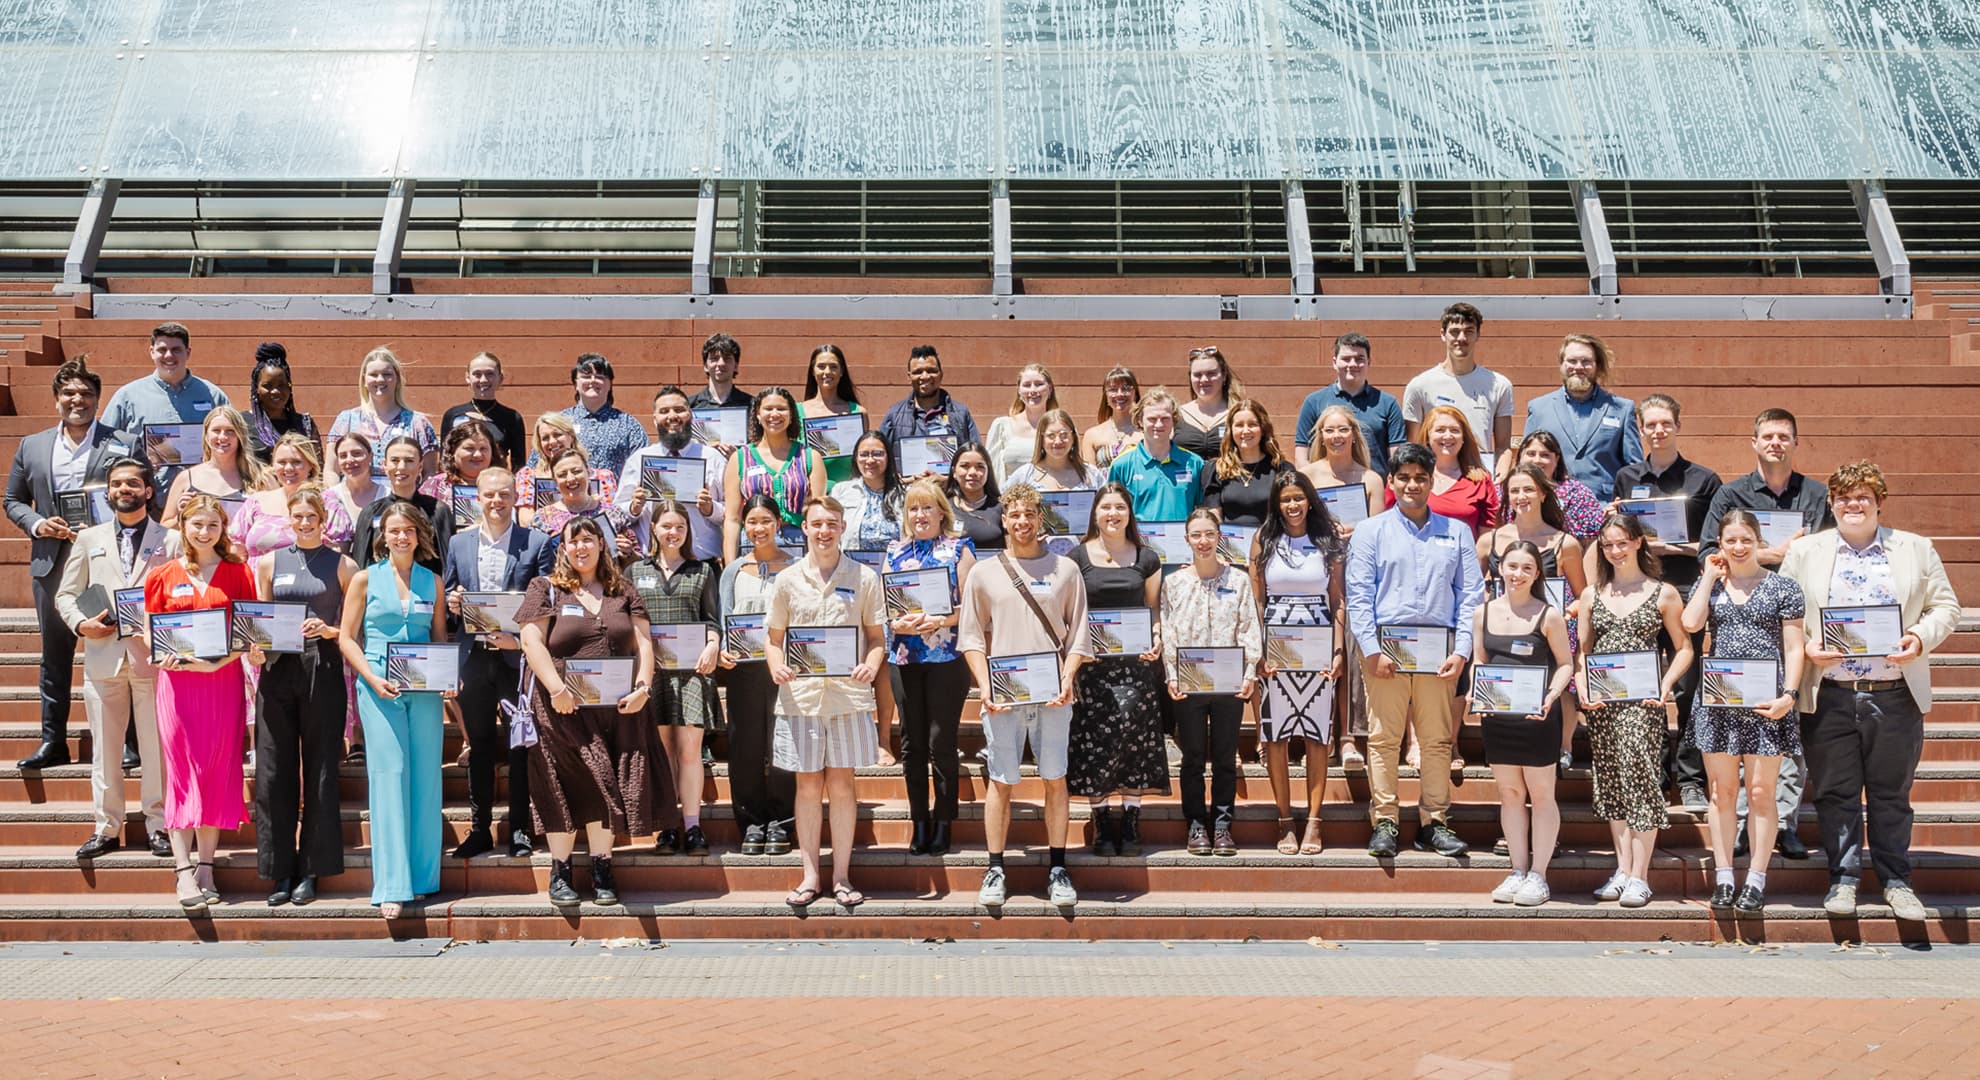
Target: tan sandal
1310, 844
1288, 844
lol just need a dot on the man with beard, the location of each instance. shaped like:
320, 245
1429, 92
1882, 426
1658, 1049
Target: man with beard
119, 683
1596, 429
671, 417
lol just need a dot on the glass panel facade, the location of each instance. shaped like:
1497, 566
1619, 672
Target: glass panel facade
977, 89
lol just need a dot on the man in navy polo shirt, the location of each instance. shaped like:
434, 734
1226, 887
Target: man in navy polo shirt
1380, 414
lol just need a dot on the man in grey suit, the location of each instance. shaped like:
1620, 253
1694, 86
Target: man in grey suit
119, 683
495, 556
1596, 429
74, 454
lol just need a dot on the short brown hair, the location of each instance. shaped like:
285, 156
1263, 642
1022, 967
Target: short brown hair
720, 344
172, 329
1461, 312
1659, 401
827, 502
1777, 416
1858, 474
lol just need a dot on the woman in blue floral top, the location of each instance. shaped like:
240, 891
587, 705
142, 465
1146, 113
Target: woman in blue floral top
382, 414
934, 676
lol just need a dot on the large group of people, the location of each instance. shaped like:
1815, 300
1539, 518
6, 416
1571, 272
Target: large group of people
610, 596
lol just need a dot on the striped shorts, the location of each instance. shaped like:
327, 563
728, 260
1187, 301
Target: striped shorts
812, 743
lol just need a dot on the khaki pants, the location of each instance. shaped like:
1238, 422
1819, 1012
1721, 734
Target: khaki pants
111, 705
1391, 705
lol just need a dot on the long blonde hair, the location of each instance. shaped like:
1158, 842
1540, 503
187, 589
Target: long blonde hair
224, 547
1051, 397
561, 423
1358, 449
245, 462
384, 354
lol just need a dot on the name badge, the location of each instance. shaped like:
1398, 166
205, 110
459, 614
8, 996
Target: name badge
573, 610
422, 607
185, 590
844, 593
1225, 590
1443, 399
646, 581
1522, 648
119, 449
1611, 421
284, 579
202, 406
1640, 491
1041, 587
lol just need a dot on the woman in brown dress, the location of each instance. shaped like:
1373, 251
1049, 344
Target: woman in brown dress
592, 766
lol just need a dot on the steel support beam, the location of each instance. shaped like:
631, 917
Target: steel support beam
79, 266
392, 238
1886, 246
1299, 239
702, 269
1596, 246
1000, 238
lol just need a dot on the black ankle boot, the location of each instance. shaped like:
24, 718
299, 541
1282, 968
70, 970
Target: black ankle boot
938, 838
561, 893
1130, 837
603, 889
919, 844
1105, 841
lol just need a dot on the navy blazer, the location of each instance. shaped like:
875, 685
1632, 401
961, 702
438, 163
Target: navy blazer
31, 487
530, 557
1598, 437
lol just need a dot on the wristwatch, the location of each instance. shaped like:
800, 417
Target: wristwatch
1793, 694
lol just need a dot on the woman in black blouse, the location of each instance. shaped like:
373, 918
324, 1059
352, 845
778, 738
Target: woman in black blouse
1240, 485
972, 489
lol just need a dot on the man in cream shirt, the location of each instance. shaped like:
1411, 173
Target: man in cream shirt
119, 683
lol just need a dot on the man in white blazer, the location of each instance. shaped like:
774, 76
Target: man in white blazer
1863, 717
119, 683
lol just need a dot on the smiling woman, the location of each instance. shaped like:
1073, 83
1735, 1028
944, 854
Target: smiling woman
272, 412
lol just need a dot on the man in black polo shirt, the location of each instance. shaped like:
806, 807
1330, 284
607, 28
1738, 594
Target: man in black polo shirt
484, 378
721, 357
1774, 485
1665, 473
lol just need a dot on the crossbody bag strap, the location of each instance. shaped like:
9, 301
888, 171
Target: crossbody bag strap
1010, 567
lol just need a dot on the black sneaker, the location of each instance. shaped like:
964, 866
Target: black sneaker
1439, 838
753, 840
1751, 901
775, 840
1129, 841
1722, 896
1199, 839
1383, 843
1789, 845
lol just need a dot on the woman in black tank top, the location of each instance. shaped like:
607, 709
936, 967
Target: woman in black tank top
1521, 630
299, 708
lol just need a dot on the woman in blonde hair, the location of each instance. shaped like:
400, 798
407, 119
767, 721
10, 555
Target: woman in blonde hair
382, 414
228, 470
202, 704
263, 524
553, 434
1115, 430
1340, 458
1013, 436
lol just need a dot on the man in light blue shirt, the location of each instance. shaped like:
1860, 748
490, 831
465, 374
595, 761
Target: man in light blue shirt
1408, 567
171, 394
1164, 481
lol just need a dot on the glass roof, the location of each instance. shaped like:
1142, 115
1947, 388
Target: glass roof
974, 89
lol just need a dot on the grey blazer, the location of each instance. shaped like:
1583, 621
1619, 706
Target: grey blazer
31, 487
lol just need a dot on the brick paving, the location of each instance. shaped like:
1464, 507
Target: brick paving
1484, 1037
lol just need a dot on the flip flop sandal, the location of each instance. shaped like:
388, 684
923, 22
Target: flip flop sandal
847, 896
802, 898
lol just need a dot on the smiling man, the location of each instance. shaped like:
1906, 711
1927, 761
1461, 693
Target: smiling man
1381, 418
1595, 428
672, 439
1485, 396
484, 379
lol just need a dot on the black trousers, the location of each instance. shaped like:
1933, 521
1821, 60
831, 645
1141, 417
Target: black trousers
486, 681
1212, 719
298, 745
931, 708
58, 661
760, 794
1683, 763
1862, 751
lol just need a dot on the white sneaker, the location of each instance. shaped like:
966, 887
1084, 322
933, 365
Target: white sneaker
1636, 893
1533, 892
1508, 888
1059, 888
1613, 888
992, 893
1904, 903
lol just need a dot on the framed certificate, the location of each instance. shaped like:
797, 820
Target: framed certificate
920, 454
1508, 689
467, 506
485, 613
1738, 684
600, 681
1624, 676
423, 667
1415, 650
822, 651
1234, 543
1216, 669
1121, 631
1168, 540
170, 445
192, 635
77, 508
130, 611
545, 494
744, 637
1303, 647
276, 626
1777, 527
875, 559
1872, 630
1346, 503
1066, 513
679, 478
676, 646
728, 426
834, 436
917, 592
1664, 518
1027, 679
